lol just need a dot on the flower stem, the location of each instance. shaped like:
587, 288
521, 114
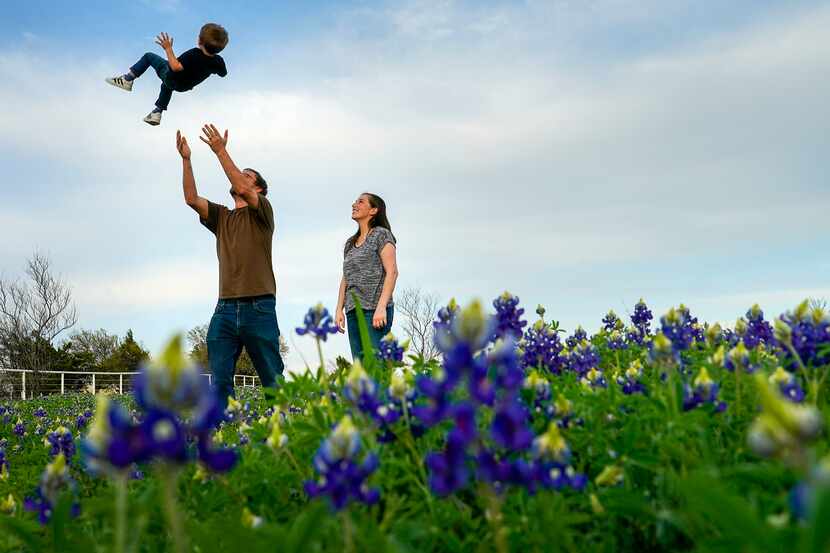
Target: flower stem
496, 519
169, 477
348, 532
121, 512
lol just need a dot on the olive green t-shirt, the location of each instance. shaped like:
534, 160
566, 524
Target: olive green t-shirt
243, 246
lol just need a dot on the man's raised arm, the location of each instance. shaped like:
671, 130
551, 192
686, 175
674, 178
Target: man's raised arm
191, 197
239, 183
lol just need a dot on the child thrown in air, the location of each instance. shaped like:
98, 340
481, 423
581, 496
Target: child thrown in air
180, 74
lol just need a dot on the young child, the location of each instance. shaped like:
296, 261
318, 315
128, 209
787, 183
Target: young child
180, 74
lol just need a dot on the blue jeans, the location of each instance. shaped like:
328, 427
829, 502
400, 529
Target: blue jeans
375, 334
248, 322
162, 68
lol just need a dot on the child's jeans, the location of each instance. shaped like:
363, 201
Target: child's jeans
162, 68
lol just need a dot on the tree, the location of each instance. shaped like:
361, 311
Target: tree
99, 345
419, 309
127, 357
33, 314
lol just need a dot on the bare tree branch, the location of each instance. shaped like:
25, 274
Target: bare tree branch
418, 309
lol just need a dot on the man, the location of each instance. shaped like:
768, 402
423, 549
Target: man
245, 313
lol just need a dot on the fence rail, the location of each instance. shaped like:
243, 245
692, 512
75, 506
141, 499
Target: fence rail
28, 384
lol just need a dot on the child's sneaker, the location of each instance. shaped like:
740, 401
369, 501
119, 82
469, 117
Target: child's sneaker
121, 83
153, 118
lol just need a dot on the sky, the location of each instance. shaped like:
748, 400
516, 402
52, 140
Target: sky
580, 154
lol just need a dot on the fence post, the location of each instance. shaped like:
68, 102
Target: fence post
24, 384
121, 383
62, 388
93, 383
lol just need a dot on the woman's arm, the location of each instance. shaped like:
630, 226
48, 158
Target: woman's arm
390, 265
339, 316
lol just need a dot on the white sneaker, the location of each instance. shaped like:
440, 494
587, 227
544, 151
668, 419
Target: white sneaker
153, 118
120, 82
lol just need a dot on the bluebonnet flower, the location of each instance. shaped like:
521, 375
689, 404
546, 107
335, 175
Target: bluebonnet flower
448, 470
363, 391
391, 350
541, 348
677, 326
634, 335
629, 380
758, 330
641, 318
714, 335
615, 340
807, 331
80, 422
510, 429
594, 378
166, 391
787, 384
55, 480
804, 495
342, 476
703, 390
508, 317
318, 323
738, 357
4, 465
783, 429
539, 393
583, 357
40, 413
578, 337
661, 351
445, 317
19, 428
611, 322
61, 440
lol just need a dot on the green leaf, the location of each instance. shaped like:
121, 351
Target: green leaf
817, 538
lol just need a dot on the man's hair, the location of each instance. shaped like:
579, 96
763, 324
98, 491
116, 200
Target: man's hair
259, 181
213, 37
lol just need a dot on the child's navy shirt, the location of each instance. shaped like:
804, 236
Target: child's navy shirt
198, 66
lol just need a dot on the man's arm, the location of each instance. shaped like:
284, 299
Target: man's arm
239, 183
191, 197
166, 42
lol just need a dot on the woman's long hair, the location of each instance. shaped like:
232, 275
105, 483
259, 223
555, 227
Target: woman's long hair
379, 220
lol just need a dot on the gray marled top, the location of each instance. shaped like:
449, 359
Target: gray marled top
363, 269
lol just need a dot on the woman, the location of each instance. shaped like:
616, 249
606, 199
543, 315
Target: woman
369, 272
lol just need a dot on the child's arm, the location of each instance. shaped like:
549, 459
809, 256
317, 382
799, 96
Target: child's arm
166, 42
191, 197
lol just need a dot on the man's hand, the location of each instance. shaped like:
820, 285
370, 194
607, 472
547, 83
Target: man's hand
213, 139
379, 318
165, 41
182, 146
340, 321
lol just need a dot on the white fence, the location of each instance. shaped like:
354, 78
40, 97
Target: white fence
27, 384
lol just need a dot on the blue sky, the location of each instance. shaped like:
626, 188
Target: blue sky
579, 154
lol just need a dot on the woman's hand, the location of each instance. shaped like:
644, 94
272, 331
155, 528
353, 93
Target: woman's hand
340, 321
379, 319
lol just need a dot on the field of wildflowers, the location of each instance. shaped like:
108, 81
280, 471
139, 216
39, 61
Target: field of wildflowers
663, 434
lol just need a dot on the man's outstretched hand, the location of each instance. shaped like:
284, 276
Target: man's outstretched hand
182, 145
212, 138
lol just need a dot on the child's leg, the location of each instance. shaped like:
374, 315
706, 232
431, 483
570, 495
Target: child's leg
164, 97
150, 60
